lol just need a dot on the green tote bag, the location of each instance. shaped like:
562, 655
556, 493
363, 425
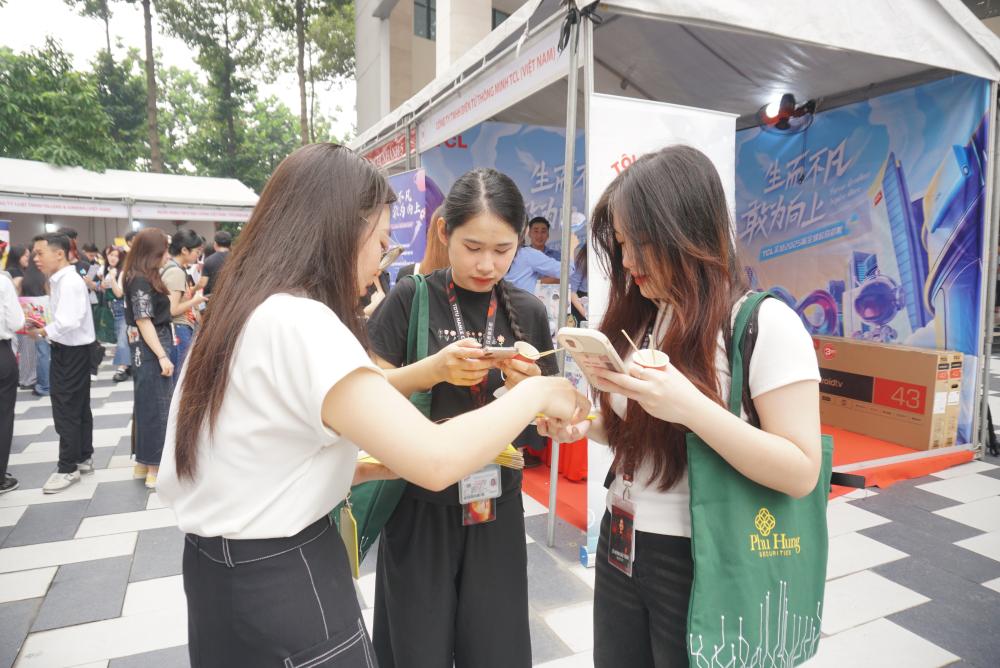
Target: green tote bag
373, 503
759, 555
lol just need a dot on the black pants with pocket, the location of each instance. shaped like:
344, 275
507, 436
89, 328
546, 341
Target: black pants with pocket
8, 397
448, 595
278, 602
69, 381
641, 621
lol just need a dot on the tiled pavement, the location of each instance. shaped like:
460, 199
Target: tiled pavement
91, 577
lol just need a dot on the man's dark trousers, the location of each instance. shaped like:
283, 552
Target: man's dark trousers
70, 388
8, 396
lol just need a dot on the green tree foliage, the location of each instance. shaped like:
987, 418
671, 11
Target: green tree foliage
316, 38
227, 35
52, 113
191, 132
332, 30
121, 90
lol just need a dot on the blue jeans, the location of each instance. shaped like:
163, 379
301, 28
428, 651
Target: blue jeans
43, 362
183, 334
122, 354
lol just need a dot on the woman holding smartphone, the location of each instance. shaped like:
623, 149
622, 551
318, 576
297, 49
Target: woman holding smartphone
278, 394
665, 221
452, 585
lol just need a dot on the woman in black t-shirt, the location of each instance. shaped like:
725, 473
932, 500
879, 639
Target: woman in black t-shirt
452, 584
147, 313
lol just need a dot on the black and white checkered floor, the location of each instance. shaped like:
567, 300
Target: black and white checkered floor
91, 577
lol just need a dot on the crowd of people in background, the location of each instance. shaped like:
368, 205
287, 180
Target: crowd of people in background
97, 297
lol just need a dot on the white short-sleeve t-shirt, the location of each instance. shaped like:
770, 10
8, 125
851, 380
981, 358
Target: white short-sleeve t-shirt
271, 467
783, 354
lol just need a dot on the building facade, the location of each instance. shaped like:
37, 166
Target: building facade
402, 45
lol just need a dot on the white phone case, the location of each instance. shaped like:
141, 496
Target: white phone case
590, 348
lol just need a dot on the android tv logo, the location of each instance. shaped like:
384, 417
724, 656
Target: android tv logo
767, 543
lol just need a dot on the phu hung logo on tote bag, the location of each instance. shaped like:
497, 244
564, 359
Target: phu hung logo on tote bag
766, 544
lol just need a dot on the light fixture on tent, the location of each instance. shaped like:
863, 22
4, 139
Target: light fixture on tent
51, 228
136, 225
784, 116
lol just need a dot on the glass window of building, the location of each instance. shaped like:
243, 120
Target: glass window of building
499, 17
425, 18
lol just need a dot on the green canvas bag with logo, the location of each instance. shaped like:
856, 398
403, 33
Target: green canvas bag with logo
371, 504
759, 555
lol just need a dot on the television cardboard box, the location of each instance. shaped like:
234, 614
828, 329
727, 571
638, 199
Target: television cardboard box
910, 396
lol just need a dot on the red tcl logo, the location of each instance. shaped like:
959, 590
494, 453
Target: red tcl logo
829, 352
456, 142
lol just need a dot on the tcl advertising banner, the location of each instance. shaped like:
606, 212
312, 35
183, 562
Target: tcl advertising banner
868, 219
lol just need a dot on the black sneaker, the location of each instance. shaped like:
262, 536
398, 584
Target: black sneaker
8, 484
120, 376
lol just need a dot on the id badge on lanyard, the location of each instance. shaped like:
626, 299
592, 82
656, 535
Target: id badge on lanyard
479, 491
621, 539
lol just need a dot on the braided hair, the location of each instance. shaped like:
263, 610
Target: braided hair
487, 190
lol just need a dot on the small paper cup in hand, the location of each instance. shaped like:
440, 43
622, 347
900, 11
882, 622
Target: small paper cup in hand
652, 359
526, 352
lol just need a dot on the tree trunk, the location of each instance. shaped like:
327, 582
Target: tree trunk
155, 159
107, 28
228, 104
312, 98
300, 68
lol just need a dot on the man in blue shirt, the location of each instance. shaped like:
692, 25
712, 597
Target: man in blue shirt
531, 264
538, 234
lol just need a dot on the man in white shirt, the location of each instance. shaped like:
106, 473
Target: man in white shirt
11, 320
70, 334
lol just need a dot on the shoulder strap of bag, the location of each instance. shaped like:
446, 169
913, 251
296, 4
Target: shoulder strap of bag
745, 334
738, 362
416, 334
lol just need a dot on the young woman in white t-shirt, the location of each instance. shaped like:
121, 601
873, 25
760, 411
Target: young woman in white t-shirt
278, 393
662, 230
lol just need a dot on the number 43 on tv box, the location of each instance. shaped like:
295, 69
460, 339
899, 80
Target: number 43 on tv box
904, 395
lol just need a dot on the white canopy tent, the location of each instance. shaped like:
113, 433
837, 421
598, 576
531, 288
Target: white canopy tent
730, 55
33, 193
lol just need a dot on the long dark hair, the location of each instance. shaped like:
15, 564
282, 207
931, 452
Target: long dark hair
122, 255
303, 237
487, 191
145, 259
14, 256
671, 206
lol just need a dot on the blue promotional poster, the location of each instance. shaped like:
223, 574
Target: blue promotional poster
416, 199
868, 221
532, 155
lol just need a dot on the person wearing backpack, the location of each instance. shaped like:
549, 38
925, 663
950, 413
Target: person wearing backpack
452, 584
666, 222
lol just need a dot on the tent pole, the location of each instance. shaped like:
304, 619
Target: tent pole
569, 175
990, 270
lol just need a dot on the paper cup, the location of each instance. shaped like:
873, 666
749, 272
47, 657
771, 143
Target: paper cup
526, 352
651, 359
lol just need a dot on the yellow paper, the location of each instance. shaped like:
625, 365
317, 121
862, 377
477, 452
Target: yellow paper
349, 534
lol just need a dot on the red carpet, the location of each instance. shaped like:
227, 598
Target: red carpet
571, 499
852, 448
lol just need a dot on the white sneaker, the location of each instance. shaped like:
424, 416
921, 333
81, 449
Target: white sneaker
86, 467
57, 482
